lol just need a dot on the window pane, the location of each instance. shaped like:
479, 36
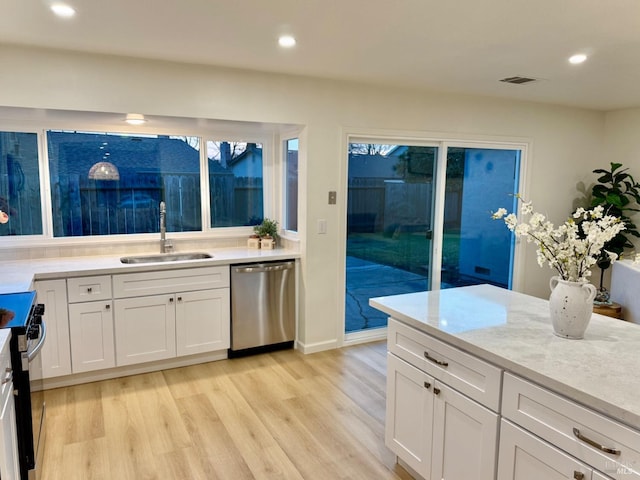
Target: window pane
291, 185
389, 225
235, 183
477, 249
20, 184
106, 184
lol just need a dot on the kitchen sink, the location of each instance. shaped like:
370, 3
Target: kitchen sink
165, 257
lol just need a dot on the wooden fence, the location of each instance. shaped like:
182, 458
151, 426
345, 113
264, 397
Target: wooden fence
84, 207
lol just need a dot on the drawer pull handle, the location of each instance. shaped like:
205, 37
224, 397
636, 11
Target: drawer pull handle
612, 451
8, 377
427, 385
578, 475
434, 360
436, 390
89, 290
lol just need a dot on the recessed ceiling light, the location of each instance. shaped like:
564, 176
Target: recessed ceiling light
63, 10
577, 58
286, 41
135, 119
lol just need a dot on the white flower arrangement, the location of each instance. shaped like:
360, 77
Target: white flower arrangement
574, 247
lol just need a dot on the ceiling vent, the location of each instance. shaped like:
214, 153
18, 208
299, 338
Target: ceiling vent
518, 80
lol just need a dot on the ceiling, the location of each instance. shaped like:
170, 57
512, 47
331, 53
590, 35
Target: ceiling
459, 46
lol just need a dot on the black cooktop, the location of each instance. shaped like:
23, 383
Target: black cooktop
15, 309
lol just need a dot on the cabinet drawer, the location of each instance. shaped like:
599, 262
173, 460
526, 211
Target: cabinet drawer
560, 421
475, 378
88, 289
169, 281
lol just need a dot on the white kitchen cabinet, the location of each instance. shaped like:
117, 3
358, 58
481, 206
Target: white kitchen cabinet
164, 314
435, 430
91, 334
409, 414
145, 329
524, 456
9, 467
202, 321
465, 437
56, 352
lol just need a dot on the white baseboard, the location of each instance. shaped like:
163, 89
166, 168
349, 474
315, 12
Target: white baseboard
316, 347
364, 336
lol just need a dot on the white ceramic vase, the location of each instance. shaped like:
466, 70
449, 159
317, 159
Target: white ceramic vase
571, 307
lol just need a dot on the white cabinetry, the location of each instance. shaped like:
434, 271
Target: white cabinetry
526, 457
91, 330
91, 323
584, 441
56, 352
160, 315
145, 329
9, 467
436, 430
202, 321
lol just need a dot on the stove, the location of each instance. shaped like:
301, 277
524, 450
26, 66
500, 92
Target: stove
21, 313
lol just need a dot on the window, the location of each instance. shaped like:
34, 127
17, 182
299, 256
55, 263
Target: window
235, 183
20, 184
106, 184
291, 185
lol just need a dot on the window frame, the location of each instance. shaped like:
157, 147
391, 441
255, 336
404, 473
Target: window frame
284, 143
228, 131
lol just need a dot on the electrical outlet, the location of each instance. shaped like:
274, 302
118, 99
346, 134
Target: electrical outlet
332, 198
322, 226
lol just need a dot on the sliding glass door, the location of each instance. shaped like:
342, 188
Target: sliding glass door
419, 217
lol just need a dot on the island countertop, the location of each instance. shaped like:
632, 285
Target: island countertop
513, 331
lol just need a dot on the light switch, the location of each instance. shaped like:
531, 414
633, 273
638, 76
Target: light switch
332, 198
322, 226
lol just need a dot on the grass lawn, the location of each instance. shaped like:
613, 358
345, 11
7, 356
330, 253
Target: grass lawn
407, 251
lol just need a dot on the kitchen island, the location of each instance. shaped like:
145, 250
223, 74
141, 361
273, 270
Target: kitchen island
497, 349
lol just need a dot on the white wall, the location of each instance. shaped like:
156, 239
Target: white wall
565, 144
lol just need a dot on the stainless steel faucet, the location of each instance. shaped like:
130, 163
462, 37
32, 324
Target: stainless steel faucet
164, 243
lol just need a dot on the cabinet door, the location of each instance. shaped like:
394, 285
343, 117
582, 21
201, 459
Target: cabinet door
409, 416
56, 352
91, 332
524, 456
145, 329
202, 321
465, 436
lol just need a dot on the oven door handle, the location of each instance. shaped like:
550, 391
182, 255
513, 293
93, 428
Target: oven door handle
43, 334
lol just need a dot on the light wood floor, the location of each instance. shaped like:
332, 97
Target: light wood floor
273, 416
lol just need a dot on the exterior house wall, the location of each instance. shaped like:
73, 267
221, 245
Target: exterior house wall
565, 144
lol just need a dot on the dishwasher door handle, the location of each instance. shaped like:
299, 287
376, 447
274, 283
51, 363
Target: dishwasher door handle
264, 268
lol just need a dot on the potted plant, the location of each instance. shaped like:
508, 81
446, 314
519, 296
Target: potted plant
618, 193
268, 229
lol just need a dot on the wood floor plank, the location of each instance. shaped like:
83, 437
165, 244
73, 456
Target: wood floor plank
282, 415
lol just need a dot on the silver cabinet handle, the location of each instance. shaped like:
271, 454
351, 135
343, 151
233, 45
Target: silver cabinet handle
434, 360
8, 377
612, 451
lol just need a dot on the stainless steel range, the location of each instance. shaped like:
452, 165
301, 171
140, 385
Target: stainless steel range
23, 316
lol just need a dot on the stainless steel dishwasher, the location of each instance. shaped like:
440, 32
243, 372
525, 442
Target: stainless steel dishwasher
262, 307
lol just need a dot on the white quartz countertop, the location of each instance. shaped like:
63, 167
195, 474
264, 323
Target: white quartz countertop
18, 276
513, 331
